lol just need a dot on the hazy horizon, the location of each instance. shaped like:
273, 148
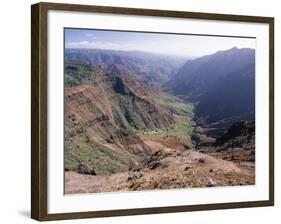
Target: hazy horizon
183, 45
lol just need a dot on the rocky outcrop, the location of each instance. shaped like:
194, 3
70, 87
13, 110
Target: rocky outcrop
238, 135
85, 169
162, 170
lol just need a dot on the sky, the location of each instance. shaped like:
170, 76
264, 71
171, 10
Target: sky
173, 44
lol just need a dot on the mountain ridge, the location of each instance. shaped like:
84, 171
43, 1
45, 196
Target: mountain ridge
221, 85
149, 68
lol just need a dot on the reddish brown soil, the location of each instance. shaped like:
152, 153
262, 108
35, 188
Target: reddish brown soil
167, 169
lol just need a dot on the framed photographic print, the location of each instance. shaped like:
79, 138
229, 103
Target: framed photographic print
139, 111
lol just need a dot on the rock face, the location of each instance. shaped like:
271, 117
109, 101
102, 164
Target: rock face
240, 134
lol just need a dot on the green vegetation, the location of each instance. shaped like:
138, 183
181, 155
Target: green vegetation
127, 114
77, 73
96, 156
183, 127
176, 105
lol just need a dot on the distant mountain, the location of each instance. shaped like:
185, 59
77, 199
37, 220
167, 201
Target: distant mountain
222, 86
149, 68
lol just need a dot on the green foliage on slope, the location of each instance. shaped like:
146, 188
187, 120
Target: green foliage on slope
77, 73
176, 105
126, 114
82, 150
184, 125
181, 129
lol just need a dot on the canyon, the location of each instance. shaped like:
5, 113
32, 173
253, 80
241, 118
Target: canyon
141, 121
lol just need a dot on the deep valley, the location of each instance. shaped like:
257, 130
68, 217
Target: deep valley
142, 121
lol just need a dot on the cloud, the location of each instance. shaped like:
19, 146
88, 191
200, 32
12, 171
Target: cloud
95, 44
181, 45
90, 35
